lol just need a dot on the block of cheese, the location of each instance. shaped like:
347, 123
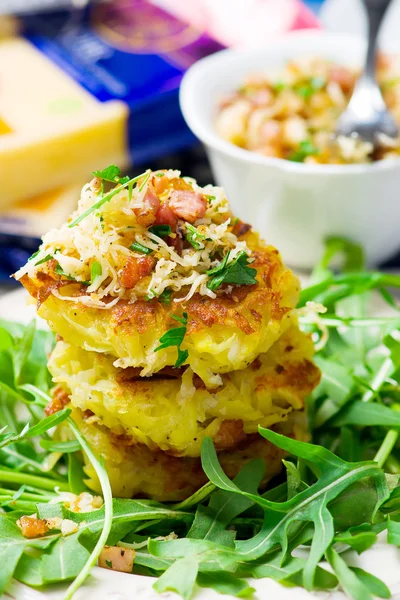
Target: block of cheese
32, 217
52, 131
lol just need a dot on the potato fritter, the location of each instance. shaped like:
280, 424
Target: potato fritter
223, 334
173, 410
159, 248
136, 471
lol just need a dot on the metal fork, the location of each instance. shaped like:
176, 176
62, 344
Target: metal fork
366, 115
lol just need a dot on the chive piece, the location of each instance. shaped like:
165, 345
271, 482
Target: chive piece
44, 260
306, 148
34, 255
160, 230
59, 270
137, 247
95, 271
104, 199
193, 236
159, 174
165, 296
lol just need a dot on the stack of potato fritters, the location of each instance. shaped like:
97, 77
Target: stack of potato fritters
200, 339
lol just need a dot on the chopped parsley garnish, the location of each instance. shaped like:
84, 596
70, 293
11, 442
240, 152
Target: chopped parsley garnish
165, 296
174, 337
137, 247
211, 199
236, 272
306, 148
44, 260
161, 230
95, 271
109, 563
193, 236
159, 174
112, 174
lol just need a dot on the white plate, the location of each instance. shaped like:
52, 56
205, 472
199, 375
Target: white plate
382, 560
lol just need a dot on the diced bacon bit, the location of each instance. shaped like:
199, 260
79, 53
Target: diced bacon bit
165, 216
146, 216
117, 559
342, 76
59, 400
187, 205
240, 228
32, 527
230, 434
135, 270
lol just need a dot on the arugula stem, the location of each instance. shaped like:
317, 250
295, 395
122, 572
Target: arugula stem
378, 380
386, 447
108, 511
45, 483
392, 465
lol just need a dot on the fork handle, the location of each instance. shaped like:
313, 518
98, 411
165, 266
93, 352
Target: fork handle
376, 10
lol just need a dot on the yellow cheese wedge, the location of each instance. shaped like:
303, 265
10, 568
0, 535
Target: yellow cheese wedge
52, 131
34, 216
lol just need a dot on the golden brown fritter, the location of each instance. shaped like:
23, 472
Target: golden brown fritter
173, 411
136, 471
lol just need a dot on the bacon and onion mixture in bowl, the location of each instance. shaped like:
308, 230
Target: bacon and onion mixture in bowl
293, 114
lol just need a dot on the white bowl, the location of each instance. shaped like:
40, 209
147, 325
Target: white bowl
294, 206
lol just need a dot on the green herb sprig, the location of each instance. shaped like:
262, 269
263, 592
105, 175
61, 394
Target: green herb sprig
175, 337
236, 272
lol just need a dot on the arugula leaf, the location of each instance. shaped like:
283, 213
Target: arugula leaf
225, 583
310, 505
179, 578
366, 414
375, 585
137, 247
112, 174
235, 272
160, 230
55, 446
65, 559
351, 584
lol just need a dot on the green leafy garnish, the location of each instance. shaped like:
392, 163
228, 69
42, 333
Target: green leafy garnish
236, 272
161, 230
109, 564
175, 337
43, 260
112, 174
165, 296
194, 237
95, 271
60, 271
106, 198
137, 247
306, 148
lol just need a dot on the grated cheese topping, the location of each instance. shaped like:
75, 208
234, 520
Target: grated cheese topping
95, 258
